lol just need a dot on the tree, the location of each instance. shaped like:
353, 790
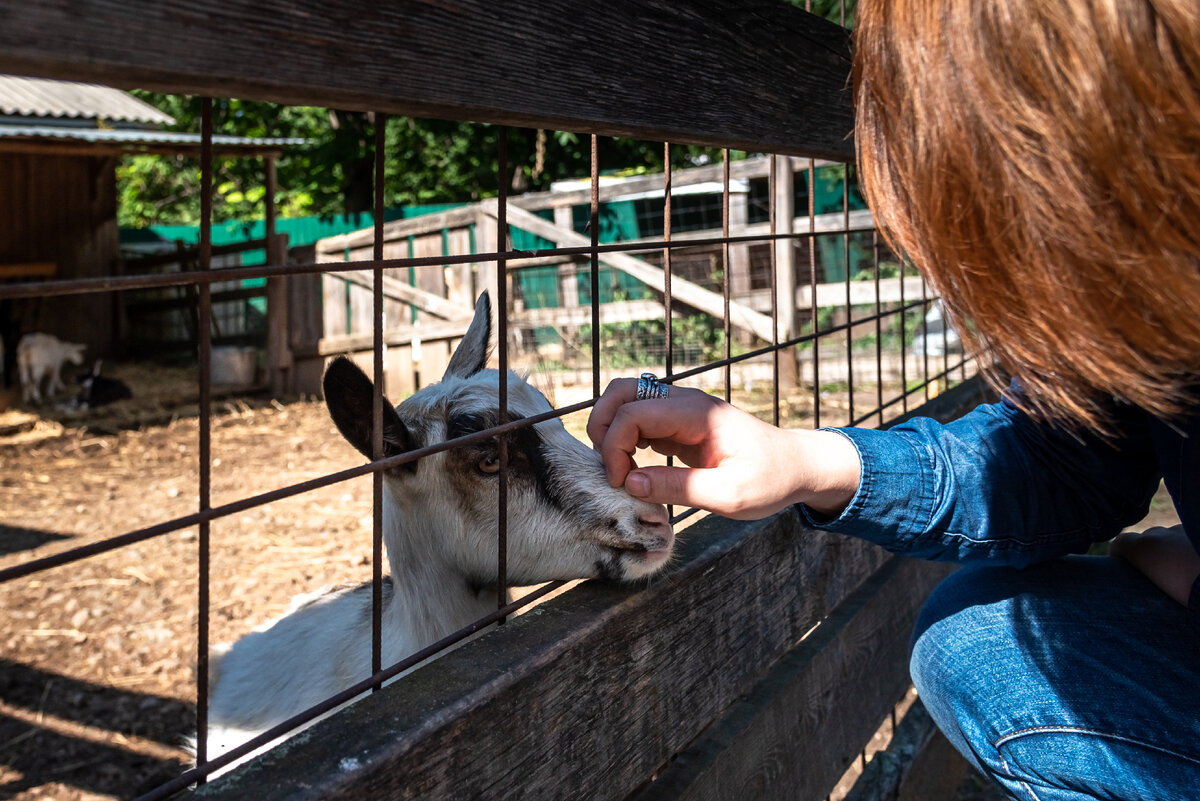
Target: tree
429, 161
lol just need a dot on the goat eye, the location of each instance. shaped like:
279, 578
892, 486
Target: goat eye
489, 464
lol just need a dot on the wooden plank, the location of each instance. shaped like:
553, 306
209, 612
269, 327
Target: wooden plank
633, 674
682, 290
396, 289
919, 764
797, 731
619, 68
624, 311
398, 230
833, 295
352, 343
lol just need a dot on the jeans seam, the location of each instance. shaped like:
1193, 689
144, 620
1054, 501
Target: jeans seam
1009, 771
1094, 732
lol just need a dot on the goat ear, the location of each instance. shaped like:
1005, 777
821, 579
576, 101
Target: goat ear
349, 396
472, 353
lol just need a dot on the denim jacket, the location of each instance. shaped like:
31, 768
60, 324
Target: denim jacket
997, 486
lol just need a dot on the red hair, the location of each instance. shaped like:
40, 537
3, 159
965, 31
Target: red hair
1040, 163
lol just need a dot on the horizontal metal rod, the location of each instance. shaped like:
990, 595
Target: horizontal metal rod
123, 283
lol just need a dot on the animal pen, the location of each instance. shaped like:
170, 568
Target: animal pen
768, 656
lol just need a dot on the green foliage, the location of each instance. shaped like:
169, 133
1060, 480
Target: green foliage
696, 338
429, 161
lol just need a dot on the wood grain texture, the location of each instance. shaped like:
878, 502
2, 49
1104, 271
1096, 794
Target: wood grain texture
759, 76
595, 689
798, 730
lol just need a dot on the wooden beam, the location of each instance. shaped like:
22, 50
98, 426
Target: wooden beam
621, 669
625, 311
398, 290
773, 79
817, 706
353, 343
682, 290
400, 229
38, 269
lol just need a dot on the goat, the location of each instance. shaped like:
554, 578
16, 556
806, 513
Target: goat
96, 390
41, 357
439, 526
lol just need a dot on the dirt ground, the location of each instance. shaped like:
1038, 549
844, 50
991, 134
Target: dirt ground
96, 675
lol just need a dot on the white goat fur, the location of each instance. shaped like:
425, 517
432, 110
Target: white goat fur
439, 528
41, 357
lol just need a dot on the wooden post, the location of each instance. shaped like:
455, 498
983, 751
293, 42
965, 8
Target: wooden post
785, 268
279, 354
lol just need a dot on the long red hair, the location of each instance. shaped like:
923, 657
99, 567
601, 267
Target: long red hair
1039, 160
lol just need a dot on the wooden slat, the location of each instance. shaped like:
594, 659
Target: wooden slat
682, 290
794, 735
652, 69
593, 692
41, 269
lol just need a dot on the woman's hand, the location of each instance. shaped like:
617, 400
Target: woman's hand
738, 466
1164, 555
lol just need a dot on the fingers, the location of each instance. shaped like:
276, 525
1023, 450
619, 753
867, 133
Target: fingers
618, 392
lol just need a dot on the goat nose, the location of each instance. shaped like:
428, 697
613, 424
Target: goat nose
653, 515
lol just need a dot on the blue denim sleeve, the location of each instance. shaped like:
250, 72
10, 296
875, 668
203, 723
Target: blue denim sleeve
996, 486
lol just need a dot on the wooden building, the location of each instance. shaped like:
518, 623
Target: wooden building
60, 143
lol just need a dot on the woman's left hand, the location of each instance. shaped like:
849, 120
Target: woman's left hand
1164, 555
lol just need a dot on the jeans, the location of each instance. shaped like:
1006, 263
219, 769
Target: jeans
1071, 679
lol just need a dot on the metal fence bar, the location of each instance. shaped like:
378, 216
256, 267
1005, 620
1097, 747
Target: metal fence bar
377, 401
502, 246
204, 379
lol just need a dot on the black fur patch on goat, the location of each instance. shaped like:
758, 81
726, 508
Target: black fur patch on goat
526, 452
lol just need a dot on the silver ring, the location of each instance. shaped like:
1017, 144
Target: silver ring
649, 387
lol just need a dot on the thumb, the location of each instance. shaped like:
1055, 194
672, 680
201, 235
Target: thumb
680, 486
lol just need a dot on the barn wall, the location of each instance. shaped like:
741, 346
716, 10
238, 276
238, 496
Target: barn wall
60, 209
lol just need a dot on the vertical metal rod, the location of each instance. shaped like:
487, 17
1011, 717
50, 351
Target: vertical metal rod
812, 286
771, 213
594, 228
502, 349
727, 279
667, 298
846, 261
670, 344
204, 378
878, 328
925, 333
377, 402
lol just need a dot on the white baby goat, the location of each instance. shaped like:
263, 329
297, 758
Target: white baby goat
41, 357
439, 526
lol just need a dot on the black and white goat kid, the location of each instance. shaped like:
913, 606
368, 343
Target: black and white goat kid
439, 526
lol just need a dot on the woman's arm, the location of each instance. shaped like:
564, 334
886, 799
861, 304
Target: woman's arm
994, 485
737, 465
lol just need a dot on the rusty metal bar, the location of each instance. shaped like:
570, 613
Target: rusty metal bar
594, 229
502, 247
771, 213
668, 300
377, 401
80, 286
204, 379
878, 329
846, 262
726, 277
812, 283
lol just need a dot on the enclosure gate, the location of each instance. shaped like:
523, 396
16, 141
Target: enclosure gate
763, 663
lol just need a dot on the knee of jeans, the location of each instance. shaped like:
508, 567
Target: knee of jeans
949, 626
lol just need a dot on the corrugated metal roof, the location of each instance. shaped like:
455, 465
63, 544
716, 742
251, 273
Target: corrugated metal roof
133, 138
39, 97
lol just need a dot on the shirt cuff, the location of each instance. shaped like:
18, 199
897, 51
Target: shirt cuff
894, 499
